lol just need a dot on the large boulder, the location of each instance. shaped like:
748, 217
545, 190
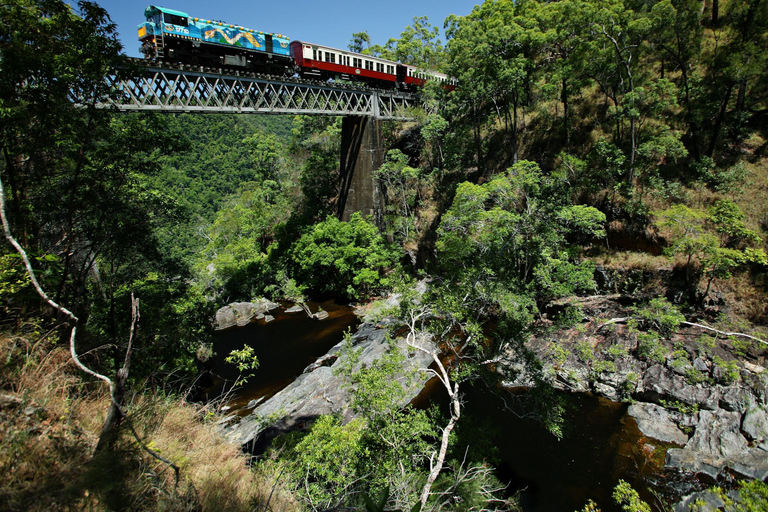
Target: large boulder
242, 313
320, 390
658, 423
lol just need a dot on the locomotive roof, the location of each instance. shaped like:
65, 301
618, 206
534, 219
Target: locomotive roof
154, 9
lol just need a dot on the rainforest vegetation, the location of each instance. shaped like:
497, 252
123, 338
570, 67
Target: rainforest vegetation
584, 134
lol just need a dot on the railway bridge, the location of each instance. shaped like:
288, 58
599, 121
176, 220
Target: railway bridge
191, 89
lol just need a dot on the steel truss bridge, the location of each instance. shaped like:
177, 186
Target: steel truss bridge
203, 90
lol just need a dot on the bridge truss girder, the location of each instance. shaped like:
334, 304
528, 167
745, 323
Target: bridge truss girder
186, 90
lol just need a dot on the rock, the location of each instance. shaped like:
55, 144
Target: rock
755, 424
320, 315
326, 360
717, 435
753, 463
705, 501
268, 318
660, 383
242, 313
658, 423
254, 403
607, 391
734, 398
690, 462
294, 309
754, 368
319, 390
716, 444
700, 365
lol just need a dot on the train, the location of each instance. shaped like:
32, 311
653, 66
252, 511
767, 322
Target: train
171, 36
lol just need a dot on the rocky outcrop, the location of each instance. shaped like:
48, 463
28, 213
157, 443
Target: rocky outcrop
243, 313
717, 418
321, 390
659, 423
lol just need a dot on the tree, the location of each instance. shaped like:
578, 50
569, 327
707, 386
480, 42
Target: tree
401, 185
714, 242
359, 42
346, 259
418, 45
78, 187
490, 53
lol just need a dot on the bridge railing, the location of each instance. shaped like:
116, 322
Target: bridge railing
189, 90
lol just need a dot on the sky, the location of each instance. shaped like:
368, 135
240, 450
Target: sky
330, 23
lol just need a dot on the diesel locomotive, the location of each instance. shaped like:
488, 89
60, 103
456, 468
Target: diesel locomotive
173, 36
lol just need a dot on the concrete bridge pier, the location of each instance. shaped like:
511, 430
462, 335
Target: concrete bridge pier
361, 155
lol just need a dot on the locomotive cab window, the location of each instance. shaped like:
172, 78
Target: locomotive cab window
175, 20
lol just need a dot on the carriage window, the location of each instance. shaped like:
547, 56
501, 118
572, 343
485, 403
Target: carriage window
314, 54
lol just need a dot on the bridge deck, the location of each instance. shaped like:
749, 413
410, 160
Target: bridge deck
187, 89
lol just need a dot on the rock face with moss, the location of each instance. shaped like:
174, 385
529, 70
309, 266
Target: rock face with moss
686, 387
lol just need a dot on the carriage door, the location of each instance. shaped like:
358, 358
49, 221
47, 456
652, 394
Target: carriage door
268, 43
401, 73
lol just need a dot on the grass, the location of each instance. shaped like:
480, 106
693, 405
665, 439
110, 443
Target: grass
51, 418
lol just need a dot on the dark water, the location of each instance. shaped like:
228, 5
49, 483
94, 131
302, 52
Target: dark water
601, 443
284, 347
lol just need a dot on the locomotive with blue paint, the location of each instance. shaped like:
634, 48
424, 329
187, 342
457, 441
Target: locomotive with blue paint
173, 36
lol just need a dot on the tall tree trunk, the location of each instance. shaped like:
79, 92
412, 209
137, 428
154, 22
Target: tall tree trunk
115, 414
514, 129
478, 139
566, 112
719, 121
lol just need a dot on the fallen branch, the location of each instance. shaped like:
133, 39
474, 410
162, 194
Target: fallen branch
723, 333
619, 320
622, 320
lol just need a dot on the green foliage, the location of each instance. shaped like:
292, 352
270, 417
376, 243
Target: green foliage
695, 376
753, 497
741, 346
559, 354
507, 237
715, 240
245, 360
345, 259
616, 352
329, 459
650, 348
240, 235
585, 352
317, 141
627, 497
174, 324
727, 371
658, 315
